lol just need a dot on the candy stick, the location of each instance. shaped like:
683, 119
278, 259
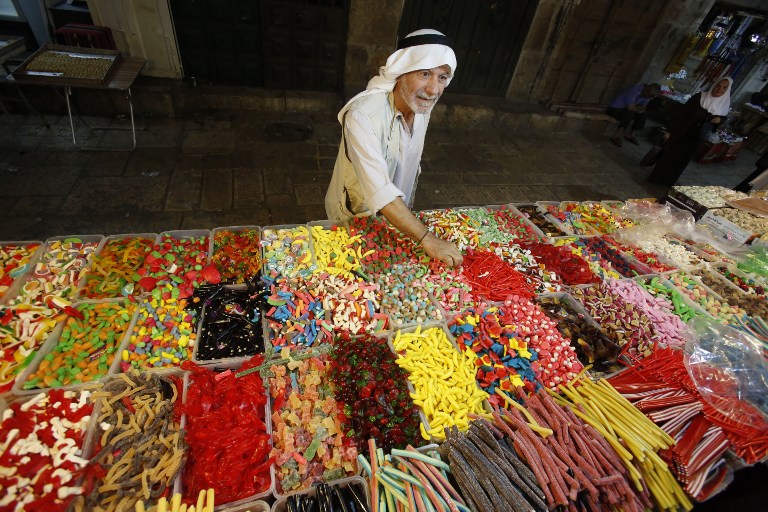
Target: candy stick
544, 432
373, 471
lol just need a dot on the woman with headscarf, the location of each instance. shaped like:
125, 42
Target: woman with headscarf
704, 111
383, 131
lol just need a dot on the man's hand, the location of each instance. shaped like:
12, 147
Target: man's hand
666, 136
442, 250
716, 120
403, 219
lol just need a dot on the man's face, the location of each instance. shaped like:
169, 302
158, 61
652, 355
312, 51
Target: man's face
719, 88
421, 89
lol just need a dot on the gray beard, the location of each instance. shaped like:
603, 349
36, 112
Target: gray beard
413, 104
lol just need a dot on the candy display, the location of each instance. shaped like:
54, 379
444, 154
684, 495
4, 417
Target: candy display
453, 225
621, 321
591, 345
42, 460
385, 247
405, 297
228, 439
710, 196
138, 447
354, 306
617, 261
237, 254
450, 288
309, 354
537, 275
578, 247
670, 251
115, 267
179, 260
374, 393
55, 278
570, 216
538, 219
411, 479
600, 218
296, 316
660, 289
649, 259
86, 348
231, 325
428, 356
492, 278
310, 444
286, 251
15, 261
503, 359
560, 261
23, 329
336, 251
635, 439
744, 282
164, 334
347, 497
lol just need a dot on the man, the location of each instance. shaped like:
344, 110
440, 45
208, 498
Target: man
628, 108
383, 130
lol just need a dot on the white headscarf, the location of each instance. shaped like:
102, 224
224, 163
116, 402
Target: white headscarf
406, 60
721, 105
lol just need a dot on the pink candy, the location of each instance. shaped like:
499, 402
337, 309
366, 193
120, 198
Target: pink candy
557, 358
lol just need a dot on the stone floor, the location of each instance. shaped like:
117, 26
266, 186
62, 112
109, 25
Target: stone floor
223, 169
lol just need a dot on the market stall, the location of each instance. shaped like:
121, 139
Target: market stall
296, 366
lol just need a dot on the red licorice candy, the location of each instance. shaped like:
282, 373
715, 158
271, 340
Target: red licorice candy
492, 278
229, 446
571, 269
373, 389
41, 442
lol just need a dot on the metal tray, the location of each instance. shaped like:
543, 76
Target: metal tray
55, 77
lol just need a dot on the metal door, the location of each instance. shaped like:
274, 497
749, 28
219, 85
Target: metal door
220, 42
286, 44
488, 37
304, 43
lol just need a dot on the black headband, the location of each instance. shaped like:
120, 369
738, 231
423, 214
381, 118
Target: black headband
407, 42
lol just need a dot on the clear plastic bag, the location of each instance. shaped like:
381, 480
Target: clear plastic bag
729, 371
655, 219
658, 215
755, 261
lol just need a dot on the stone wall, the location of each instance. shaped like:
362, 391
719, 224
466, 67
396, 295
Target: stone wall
371, 38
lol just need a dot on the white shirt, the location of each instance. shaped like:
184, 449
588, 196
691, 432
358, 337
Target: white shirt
365, 153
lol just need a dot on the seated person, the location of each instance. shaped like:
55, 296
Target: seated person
628, 108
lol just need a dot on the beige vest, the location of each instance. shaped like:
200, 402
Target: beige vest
344, 198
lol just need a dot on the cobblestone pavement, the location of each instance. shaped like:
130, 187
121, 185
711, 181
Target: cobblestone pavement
223, 169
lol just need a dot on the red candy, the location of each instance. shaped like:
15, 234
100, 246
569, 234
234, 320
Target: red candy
228, 441
42, 441
492, 278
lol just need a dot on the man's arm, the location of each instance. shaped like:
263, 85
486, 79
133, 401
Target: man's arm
398, 214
